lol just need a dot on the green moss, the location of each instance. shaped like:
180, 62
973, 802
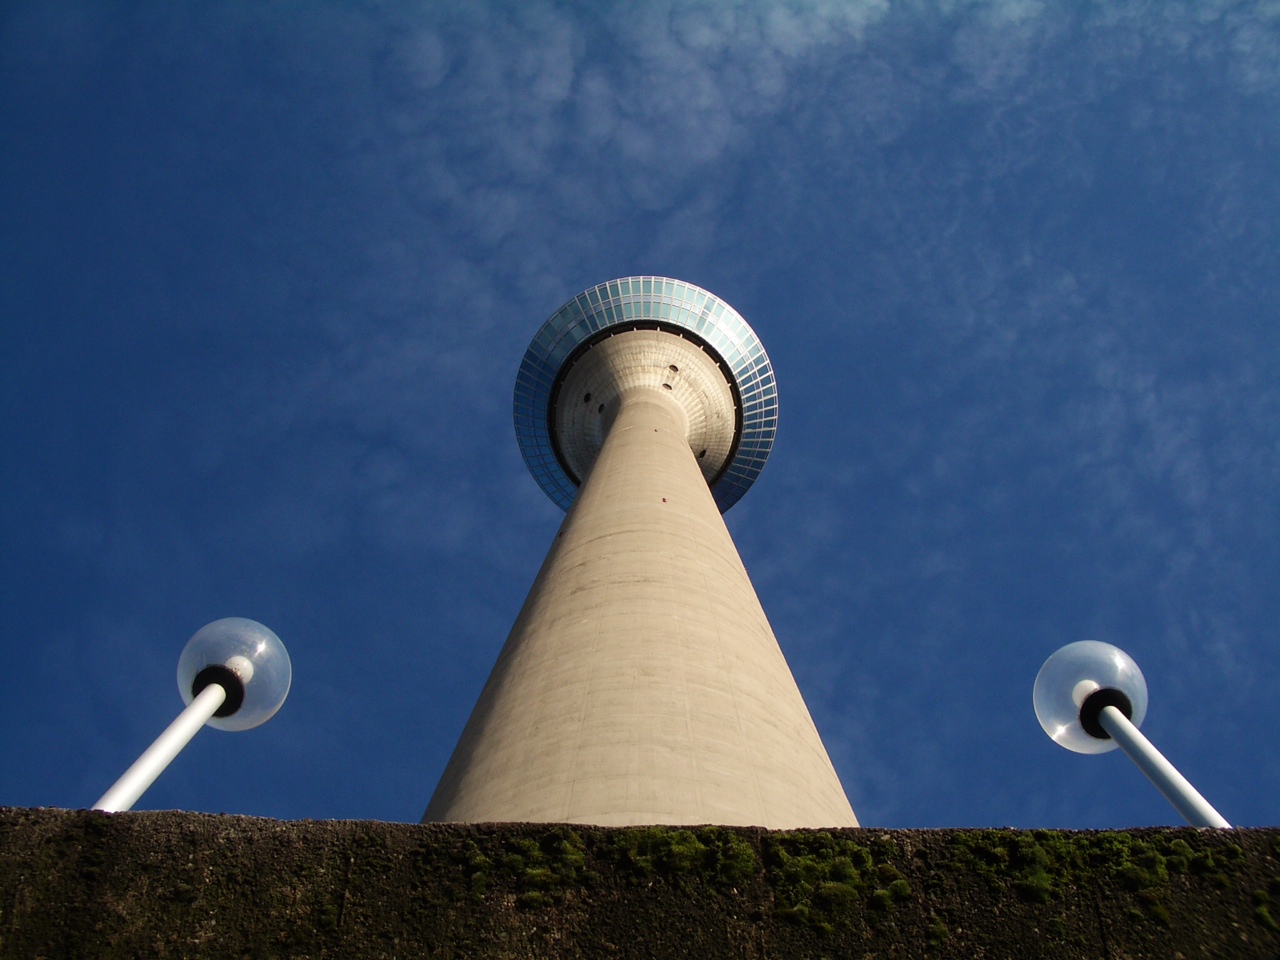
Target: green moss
887, 873
539, 878
1151, 906
736, 863
1262, 907
1144, 868
328, 916
1032, 864
797, 864
1202, 862
796, 914
546, 865
884, 848
1178, 857
712, 854
833, 895
1040, 865
650, 851
937, 934
1035, 886
827, 879
543, 868
477, 867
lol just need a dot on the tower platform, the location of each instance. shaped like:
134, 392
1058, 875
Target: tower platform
634, 303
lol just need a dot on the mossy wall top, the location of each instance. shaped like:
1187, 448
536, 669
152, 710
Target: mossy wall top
81, 884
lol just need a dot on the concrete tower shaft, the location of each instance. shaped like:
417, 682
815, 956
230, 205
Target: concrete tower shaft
641, 682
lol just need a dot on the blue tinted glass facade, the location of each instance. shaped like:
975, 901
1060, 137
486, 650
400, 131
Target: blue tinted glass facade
647, 299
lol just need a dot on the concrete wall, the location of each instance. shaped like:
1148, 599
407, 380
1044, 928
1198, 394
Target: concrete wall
75, 884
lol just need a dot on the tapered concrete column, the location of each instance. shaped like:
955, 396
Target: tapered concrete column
641, 682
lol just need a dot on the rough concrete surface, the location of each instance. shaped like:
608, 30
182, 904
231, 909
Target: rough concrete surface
82, 884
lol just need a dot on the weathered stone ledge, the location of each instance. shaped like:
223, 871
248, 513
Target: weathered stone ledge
76, 884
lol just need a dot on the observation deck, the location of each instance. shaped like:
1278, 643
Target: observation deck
565, 398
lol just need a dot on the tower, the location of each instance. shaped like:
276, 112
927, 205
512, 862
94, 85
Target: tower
641, 682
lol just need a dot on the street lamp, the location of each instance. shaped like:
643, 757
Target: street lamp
233, 674
1091, 697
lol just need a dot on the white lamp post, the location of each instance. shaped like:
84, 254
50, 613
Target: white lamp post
233, 674
1091, 697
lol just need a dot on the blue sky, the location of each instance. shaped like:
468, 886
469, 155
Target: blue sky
267, 273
